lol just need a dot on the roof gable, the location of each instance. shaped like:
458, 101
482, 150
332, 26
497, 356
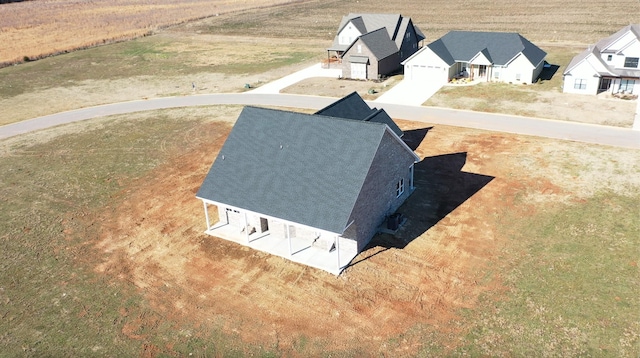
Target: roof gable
395, 25
354, 107
302, 168
351, 106
379, 43
609, 43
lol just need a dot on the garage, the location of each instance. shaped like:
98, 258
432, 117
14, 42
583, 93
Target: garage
420, 72
359, 67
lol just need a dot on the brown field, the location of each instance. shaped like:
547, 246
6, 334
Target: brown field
38, 28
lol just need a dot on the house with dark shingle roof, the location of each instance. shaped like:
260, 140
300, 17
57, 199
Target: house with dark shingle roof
373, 45
484, 56
312, 188
610, 65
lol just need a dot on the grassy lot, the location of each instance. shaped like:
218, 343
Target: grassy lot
568, 269
570, 283
52, 303
155, 66
573, 285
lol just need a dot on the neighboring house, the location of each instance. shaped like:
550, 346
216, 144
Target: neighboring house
486, 56
373, 45
609, 65
312, 188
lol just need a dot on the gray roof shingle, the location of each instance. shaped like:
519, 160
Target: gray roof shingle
354, 107
303, 168
394, 24
502, 47
379, 44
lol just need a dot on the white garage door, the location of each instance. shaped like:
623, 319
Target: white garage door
359, 71
428, 73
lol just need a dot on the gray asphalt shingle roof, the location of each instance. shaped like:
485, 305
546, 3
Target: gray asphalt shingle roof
502, 47
600, 47
303, 168
379, 43
354, 107
394, 24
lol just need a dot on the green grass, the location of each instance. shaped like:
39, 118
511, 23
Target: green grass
154, 56
52, 303
574, 287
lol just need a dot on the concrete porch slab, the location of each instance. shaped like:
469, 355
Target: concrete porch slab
297, 249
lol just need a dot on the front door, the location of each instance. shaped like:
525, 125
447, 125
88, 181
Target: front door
482, 71
605, 84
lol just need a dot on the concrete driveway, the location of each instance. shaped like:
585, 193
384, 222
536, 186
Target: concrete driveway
286, 81
410, 93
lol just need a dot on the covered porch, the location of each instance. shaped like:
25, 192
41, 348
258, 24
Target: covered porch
301, 249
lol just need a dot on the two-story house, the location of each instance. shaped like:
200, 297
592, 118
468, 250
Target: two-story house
369, 46
611, 65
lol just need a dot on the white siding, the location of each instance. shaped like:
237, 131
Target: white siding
425, 65
348, 34
584, 72
519, 70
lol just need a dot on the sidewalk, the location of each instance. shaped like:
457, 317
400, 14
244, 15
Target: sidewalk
309, 72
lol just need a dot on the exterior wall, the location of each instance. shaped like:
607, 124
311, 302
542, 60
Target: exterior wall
236, 218
583, 73
409, 44
378, 197
386, 66
536, 71
348, 34
372, 67
426, 57
632, 50
520, 68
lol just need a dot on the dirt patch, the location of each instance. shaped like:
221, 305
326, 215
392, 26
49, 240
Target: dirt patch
433, 267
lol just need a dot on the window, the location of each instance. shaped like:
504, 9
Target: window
609, 58
359, 48
496, 74
400, 187
517, 77
627, 86
631, 62
580, 84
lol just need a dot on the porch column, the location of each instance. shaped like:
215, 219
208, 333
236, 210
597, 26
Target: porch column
289, 239
246, 226
338, 250
206, 214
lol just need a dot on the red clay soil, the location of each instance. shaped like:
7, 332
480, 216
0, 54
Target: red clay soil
153, 236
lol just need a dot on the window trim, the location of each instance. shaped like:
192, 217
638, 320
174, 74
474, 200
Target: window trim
400, 187
631, 60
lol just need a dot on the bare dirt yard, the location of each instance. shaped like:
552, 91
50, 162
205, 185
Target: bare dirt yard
401, 296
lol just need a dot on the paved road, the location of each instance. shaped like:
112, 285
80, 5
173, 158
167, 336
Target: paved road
581, 132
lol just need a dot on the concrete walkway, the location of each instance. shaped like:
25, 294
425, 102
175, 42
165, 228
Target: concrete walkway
309, 72
410, 93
